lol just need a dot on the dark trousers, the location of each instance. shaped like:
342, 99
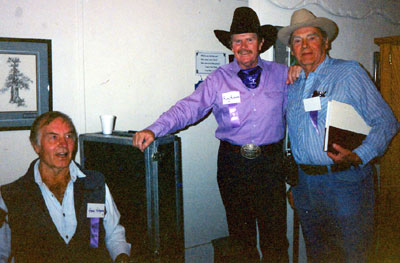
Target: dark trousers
254, 191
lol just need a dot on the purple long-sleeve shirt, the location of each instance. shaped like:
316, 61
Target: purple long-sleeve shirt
260, 111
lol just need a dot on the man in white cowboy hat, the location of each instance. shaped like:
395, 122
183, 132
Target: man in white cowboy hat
334, 197
248, 99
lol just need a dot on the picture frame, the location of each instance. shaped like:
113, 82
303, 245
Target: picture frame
25, 81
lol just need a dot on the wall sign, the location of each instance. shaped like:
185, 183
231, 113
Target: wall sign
207, 62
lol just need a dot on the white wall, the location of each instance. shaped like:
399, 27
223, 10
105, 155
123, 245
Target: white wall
134, 59
58, 21
139, 60
355, 40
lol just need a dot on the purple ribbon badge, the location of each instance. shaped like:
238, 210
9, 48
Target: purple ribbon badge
94, 232
314, 113
314, 119
234, 115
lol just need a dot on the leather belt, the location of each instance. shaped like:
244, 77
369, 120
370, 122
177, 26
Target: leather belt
323, 169
269, 148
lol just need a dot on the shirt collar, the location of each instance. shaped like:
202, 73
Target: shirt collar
74, 172
237, 68
319, 70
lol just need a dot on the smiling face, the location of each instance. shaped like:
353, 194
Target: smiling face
309, 47
57, 146
246, 48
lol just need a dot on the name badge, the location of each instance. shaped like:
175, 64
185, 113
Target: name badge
312, 104
231, 97
95, 210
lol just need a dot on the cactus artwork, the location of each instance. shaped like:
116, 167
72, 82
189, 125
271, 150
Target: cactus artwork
15, 81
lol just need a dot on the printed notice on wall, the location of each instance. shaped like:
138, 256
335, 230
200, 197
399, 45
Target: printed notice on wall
207, 62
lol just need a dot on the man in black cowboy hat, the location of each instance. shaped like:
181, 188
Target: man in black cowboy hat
334, 197
248, 99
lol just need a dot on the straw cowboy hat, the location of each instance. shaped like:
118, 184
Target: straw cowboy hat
304, 18
245, 20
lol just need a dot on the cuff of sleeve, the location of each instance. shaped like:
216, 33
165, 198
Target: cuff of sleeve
119, 249
366, 154
156, 129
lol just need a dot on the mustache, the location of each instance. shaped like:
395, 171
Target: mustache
244, 51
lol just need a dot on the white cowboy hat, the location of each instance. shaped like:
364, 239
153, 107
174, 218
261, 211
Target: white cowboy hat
304, 18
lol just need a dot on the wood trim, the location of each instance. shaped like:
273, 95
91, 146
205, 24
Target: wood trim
390, 39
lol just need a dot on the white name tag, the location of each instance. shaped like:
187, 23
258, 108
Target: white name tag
312, 104
95, 210
231, 97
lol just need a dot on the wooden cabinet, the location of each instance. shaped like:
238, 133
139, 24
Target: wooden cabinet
388, 196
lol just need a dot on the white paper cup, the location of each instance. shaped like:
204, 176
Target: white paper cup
107, 123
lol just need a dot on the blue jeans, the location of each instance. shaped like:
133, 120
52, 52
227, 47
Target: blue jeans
336, 213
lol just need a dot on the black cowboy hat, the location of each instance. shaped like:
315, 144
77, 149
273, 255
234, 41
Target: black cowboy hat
245, 20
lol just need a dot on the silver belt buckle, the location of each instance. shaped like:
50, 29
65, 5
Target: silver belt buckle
250, 151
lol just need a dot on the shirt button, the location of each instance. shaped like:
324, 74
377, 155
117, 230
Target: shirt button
66, 236
63, 214
254, 109
254, 125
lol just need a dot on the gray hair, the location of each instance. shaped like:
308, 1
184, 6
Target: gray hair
44, 120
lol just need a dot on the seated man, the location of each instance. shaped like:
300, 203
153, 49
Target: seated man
57, 212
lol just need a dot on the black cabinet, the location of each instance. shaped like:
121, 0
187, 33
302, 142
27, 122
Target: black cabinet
147, 188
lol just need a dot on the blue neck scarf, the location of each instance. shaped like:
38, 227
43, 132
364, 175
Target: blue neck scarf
250, 77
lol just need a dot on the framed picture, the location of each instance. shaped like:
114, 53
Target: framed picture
25, 81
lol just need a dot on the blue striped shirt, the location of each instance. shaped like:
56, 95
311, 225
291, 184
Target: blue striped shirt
344, 81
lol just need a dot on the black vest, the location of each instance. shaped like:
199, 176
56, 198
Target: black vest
34, 237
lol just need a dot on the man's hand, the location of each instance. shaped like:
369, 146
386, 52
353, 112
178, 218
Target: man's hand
344, 156
142, 139
293, 74
122, 258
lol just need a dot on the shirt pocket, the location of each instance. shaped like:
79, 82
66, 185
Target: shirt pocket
273, 100
324, 107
